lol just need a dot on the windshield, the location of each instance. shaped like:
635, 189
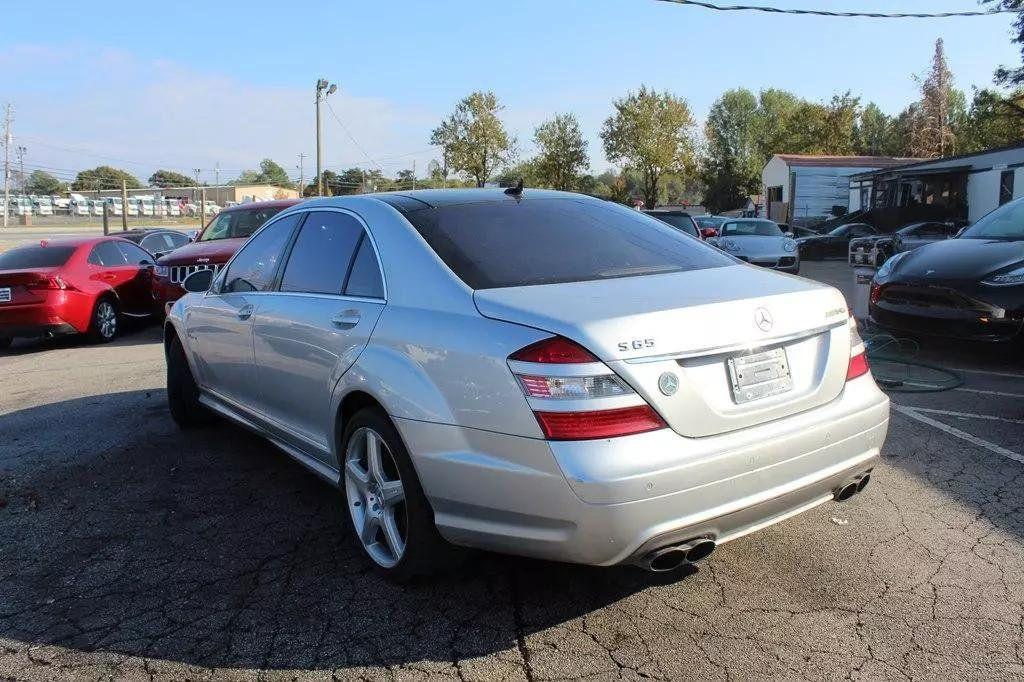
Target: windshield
233, 224
709, 221
35, 257
537, 241
678, 221
751, 228
1006, 222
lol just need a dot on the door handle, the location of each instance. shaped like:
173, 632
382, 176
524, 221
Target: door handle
346, 319
245, 312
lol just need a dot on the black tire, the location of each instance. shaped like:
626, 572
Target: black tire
105, 322
5, 342
182, 390
426, 552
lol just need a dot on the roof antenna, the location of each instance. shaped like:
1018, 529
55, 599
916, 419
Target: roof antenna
516, 191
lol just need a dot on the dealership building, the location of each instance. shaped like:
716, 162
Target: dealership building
219, 194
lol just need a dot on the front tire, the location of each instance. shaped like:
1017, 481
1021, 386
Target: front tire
386, 509
105, 323
182, 390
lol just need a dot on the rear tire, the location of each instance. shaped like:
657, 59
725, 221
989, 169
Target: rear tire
105, 322
182, 390
370, 494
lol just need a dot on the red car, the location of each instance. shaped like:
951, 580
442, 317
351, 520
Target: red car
213, 247
82, 285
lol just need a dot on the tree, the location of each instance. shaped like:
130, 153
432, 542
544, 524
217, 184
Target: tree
169, 178
405, 179
731, 162
270, 173
932, 129
992, 121
473, 139
875, 133
1006, 76
651, 133
41, 182
104, 177
562, 152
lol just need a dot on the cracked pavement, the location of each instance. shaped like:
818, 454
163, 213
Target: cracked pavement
130, 550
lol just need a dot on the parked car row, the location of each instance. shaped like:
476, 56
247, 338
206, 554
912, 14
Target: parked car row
88, 285
79, 205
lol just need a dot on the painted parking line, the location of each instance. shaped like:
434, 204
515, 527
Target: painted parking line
1010, 375
913, 413
1001, 394
966, 415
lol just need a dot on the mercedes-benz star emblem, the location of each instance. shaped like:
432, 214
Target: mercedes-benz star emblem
763, 319
668, 383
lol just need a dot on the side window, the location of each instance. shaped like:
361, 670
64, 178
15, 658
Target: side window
861, 231
175, 239
365, 278
154, 243
254, 267
133, 254
322, 253
107, 254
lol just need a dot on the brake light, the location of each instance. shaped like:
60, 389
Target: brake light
858, 366
555, 350
552, 375
876, 292
599, 423
56, 282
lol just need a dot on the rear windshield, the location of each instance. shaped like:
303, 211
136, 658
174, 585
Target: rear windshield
238, 223
546, 241
35, 257
677, 220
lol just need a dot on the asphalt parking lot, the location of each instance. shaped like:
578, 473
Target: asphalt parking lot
131, 550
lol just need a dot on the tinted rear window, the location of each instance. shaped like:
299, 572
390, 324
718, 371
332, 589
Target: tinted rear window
678, 221
546, 241
35, 257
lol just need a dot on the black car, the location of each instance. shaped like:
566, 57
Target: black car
157, 240
970, 287
834, 244
681, 220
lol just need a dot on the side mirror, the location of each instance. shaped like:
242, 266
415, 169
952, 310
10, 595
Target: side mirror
146, 263
193, 235
198, 282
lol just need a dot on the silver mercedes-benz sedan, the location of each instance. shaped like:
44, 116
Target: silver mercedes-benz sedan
531, 372
759, 241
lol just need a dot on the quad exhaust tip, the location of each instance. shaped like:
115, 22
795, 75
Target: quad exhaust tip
852, 487
674, 556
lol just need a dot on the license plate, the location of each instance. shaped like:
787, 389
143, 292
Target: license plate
759, 375
5, 295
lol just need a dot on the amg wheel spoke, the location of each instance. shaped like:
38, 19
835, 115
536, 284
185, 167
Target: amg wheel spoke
368, 533
392, 492
358, 476
392, 536
373, 456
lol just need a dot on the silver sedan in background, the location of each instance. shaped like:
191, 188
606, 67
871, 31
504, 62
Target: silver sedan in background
760, 242
531, 372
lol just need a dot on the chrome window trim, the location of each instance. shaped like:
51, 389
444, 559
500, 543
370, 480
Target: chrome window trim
734, 348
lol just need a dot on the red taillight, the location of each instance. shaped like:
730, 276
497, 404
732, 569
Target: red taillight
555, 350
56, 282
622, 421
858, 366
876, 292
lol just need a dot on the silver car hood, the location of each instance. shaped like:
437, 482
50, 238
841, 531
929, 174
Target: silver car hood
675, 313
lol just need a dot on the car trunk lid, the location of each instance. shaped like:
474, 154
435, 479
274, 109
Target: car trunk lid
694, 325
25, 285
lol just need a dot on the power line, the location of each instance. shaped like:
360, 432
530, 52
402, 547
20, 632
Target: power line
829, 13
350, 135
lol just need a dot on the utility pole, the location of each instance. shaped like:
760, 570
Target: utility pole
216, 181
323, 90
124, 205
21, 151
414, 173
302, 175
199, 198
7, 161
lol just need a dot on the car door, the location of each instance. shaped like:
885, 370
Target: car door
218, 324
109, 267
309, 333
137, 291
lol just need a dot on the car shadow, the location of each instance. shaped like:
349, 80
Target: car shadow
133, 333
122, 534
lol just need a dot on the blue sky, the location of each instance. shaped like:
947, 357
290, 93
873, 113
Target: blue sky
187, 85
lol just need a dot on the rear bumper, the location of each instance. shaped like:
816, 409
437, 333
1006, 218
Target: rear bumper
606, 502
62, 314
944, 322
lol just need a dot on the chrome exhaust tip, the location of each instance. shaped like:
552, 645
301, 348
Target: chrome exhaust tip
844, 493
701, 548
665, 559
863, 483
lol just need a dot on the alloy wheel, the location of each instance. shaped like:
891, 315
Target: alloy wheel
106, 319
376, 497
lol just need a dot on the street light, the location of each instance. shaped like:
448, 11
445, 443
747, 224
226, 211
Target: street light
323, 91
